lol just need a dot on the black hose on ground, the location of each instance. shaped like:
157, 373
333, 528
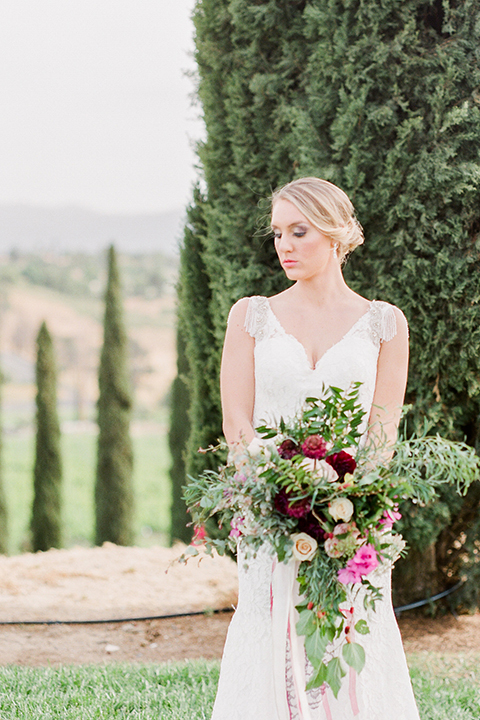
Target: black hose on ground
397, 610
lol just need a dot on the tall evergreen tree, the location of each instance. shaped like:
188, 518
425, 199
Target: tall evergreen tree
3, 500
381, 98
197, 316
46, 522
114, 496
177, 440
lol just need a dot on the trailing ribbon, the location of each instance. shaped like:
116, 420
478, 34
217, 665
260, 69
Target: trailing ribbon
285, 596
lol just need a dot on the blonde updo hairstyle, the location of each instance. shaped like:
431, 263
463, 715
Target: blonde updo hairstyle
327, 208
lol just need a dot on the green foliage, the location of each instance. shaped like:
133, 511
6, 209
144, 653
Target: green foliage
3, 499
114, 497
46, 522
196, 315
177, 440
381, 98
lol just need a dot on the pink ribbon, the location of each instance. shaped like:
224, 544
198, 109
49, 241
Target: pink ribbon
326, 705
352, 681
352, 675
284, 593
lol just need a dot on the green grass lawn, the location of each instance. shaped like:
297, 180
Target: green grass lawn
446, 687
163, 692
152, 488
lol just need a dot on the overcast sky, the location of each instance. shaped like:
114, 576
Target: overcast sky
94, 105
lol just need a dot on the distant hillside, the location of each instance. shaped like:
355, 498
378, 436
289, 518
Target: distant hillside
29, 228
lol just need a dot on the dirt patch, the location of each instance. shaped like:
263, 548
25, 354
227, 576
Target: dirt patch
113, 582
445, 635
143, 642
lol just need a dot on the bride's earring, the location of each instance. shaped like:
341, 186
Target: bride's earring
335, 254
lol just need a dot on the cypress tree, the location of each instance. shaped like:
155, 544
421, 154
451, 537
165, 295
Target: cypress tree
46, 523
382, 99
177, 440
396, 122
114, 497
3, 500
197, 317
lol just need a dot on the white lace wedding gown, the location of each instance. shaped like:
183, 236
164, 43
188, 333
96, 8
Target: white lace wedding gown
263, 668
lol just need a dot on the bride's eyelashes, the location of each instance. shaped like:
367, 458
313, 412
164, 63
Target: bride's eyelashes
296, 233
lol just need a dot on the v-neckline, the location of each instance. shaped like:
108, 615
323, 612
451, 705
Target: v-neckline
311, 367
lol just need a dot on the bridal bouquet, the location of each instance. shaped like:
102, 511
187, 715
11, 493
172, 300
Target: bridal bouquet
309, 488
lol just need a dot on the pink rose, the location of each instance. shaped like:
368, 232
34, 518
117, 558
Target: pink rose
344, 528
333, 547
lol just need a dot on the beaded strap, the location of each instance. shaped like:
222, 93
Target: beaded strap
383, 322
257, 317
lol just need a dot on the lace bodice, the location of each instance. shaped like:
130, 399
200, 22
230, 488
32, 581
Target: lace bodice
283, 374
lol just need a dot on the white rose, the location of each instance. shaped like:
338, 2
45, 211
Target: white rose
304, 546
341, 509
309, 464
327, 471
255, 447
320, 468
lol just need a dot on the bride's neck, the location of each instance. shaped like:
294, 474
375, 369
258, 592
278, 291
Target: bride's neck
322, 291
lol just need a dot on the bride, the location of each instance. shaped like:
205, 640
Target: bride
279, 351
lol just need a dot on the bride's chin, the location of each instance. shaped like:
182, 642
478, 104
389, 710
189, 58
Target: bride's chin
292, 273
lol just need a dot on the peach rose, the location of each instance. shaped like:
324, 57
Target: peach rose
341, 509
304, 546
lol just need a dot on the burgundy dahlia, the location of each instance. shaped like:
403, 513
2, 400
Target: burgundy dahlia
314, 446
296, 509
288, 449
342, 463
310, 525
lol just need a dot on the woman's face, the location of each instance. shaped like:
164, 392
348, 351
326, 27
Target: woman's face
303, 251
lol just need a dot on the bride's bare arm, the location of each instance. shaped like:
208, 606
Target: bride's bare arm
237, 378
390, 388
